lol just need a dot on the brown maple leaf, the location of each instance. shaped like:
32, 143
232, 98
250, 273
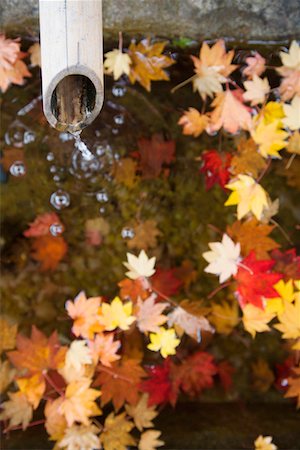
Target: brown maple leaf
132, 290
186, 273
253, 235
294, 386
154, 154
294, 143
145, 235
148, 62
120, 383
37, 353
124, 172
115, 435
11, 155
247, 160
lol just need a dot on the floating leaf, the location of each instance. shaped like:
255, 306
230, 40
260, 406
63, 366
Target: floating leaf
116, 63
294, 385
149, 315
256, 65
247, 160
139, 266
115, 435
154, 155
256, 90
224, 316
270, 139
116, 315
141, 413
80, 437
159, 385
164, 341
41, 225
193, 122
264, 443
12, 68
7, 374
289, 320
294, 143
35, 54
49, 251
262, 376
190, 324
8, 334
84, 312
292, 114
145, 235
149, 440
215, 168
17, 410
124, 172
104, 349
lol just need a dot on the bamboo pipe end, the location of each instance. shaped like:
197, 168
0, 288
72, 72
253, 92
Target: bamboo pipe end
73, 99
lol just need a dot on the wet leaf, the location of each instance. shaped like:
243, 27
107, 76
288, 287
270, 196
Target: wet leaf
49, 251
17, 410
41, 225
224, 316
84, 313
256, 65
165, 282
149, 440
145, 235
247, 160
124, 172
292, 114
186, 273
55, 421
139, 266
81, 436
7, 374
289, 320
294, 143
155, 155
287, 263
256, 90
215, 168
184, 322
132, 290
116, 315
193, 122
115, 435
8, 334
264, 443
290, 85
270, 139
149, 314
33, 387
164, 341
117, 63
141, 413
35, 54
160, 386
104, 349
12, 68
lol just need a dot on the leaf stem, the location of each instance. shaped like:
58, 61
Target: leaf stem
282, 231
264, 171
51, 382
20, 427
114, 374
219, 288
183, 83
168, 299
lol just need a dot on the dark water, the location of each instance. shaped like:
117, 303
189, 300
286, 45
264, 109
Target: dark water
44, 170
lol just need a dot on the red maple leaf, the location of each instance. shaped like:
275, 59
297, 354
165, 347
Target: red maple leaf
159, 386
215, 168
255, 281
283, 372
154, 154
287, 263
225, 372
165, 281
41, 225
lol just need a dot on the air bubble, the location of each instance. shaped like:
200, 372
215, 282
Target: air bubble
118, 91
60, 199
56, 178
15, 134
53, 169
56, 229
119, 119
29, 136
65, 137
102, 196
114, 131
102, 210
127, 233
50, 156
17, 169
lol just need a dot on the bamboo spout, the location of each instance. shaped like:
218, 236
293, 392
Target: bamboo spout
72, 62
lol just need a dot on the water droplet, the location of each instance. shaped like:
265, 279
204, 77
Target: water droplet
56, 178
118, 91
50, 156
284, 382
65, 137
15, 134
29, 136
18, 169
119, 119
56, 229
102, 210
114, 131
102, 196
100, 150
127, 233
53, 169
60, 199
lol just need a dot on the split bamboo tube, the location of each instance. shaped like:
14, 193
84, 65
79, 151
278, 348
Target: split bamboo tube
72, 62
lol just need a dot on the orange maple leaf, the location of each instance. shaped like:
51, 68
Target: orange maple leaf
253, 235
84, 312
49, 251
12, 68
37, 353
132, 290
120, 384
193, 122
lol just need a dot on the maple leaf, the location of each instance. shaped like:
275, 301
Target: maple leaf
149, 440
148, 316
290, 320
287, 263
49, 251
165, 282
292, 114
290, 85
11, 155
224, 316
17, 410
79, 402
294, 143
286, 292
262, 376
115, 435
124, 172
154, 154
270, 139
84, 312
95, 230
190, 324
247, 160
256, 90
41, 225
255, 281
132, 290
283, 371
116, 315
193, 122
223, 258
211, 68
164, 341
256, 65
196, 373
33, 387
159, 385
139, 266
255, 319
271, 112
104, 349
8, 334
141, 413
117, 63
120, 384
186, 273
294, 385
215, 168
145, 235
270, 211
264, 443
55, 421
7, 374
229, 112
78, 354
37, 354
35, 54
253, 235
225, 372
248, 195
12, 68
148, 62
80, 437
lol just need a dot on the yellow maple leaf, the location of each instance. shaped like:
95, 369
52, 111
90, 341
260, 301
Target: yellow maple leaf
117, 63
270, 139
264, 443
290, 320
294, 143
79, 402
82, 437
164, 341
255, 319
248, 195
193, 122
55, 421
286, 292
149, 440
271, 112
17, 410
124, 172
7, 374
224, 316
116, 315
115, 435
33, 387
35, 54
8, 334
141, 413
